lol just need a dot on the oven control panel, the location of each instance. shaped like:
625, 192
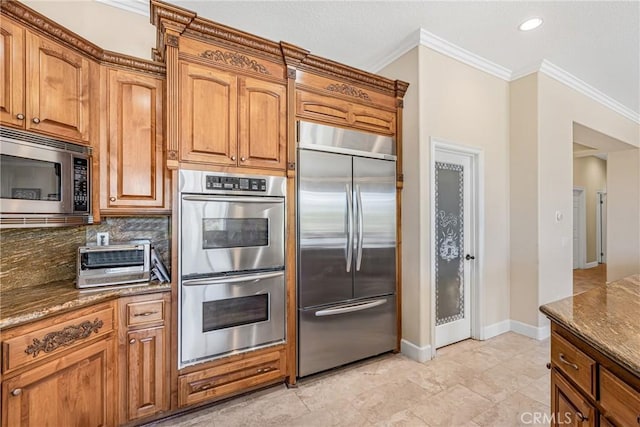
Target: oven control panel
235, 183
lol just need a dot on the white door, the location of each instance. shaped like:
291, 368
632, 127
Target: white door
601, 227
454, 239
576, 229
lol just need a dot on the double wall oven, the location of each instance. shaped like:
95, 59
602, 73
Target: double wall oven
231, 264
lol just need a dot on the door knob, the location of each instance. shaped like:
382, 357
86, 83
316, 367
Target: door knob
36, 120
112, 199
233, 158
242, 159
469, 257
20, 116
16, 392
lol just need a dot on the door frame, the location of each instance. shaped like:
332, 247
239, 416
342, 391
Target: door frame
582, 225
600, 232
476, 273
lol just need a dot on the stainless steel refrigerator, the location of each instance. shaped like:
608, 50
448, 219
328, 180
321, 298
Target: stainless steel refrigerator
346, 247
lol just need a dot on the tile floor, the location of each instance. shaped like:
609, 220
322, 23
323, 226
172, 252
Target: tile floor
589, 278
499, 382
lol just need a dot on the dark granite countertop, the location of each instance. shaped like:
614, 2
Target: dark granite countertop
607, 318
22, 305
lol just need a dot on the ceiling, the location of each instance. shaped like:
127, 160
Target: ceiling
597, 42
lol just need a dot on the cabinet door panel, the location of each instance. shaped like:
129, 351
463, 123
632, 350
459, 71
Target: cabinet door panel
146, 367
57, 89
11, 73
568, 407
136, 173
208, 115
73, 390
263, 124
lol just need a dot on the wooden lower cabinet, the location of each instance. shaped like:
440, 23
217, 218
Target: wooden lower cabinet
568, 407
74, 389
230, 378
588, 388
144, 356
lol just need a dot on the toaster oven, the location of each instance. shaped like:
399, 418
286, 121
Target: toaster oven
113, 265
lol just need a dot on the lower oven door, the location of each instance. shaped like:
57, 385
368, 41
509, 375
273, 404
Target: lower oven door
229, 314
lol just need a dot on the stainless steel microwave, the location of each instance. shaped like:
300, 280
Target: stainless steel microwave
44, 182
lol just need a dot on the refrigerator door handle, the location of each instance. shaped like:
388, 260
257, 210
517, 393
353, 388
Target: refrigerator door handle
349, 227
350, 308
360, 228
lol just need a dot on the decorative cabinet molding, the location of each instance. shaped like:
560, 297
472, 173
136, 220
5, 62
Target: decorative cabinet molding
132, 165
64, 338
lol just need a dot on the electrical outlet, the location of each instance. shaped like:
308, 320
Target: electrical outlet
102, 239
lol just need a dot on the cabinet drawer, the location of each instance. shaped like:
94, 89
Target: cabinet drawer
142, 313
52, 336
620, 402
230, 378
576, 365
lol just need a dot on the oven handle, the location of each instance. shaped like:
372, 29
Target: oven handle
350, 308
232, 279
257, 199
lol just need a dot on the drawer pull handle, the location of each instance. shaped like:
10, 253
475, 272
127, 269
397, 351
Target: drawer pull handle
66, 337
145, 314
267, 369
16, 392
566, 362
203, 388
581, 417
132, 341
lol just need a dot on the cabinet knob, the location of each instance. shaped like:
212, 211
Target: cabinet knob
20, 116
113, 199
16, 392
36, 120
132, 341
581, 417
233, 158
242, 159
548, 365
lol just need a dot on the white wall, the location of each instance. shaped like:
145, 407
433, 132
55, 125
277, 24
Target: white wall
108, 27
623, 214
463, 105
414, 289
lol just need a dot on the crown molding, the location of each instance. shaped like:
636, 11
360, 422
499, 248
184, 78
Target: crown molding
141, 7
454, 51
586, 89
408, 43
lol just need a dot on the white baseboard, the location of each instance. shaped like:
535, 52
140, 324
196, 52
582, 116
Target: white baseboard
593, 264
496, 329
535, 332
412, 351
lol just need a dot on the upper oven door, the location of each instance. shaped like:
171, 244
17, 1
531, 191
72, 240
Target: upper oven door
231, 233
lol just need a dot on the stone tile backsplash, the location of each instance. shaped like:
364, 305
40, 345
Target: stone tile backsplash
34, 256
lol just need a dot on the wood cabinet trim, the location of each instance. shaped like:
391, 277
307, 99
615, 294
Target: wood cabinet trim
45, 26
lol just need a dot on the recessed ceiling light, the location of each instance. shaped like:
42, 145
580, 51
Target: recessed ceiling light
530, 24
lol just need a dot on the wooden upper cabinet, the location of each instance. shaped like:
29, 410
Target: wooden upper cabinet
263, 123
133, 174
57, 89
208, 115
231, 120
12, 108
